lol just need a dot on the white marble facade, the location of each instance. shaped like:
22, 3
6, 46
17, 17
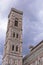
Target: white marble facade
35, 57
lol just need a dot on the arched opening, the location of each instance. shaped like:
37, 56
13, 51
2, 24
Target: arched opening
12, 47
16, 22
17, 48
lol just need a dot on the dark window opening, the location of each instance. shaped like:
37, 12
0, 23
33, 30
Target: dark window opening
12, 47
16, 23
17, 48
17, 36
14, 34
9, 20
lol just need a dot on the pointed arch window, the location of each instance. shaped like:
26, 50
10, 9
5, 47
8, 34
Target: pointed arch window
17, 48
13, 34
12, 47
17, 35
16, 22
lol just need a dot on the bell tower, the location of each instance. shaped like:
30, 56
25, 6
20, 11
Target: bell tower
13, 43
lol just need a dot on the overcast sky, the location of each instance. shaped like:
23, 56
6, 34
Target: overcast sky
32, 22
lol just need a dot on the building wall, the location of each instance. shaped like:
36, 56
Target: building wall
35, 57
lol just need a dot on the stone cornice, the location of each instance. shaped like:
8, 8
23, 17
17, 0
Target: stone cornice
15, 10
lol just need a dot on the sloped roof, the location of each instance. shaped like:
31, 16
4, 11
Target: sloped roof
32, 50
